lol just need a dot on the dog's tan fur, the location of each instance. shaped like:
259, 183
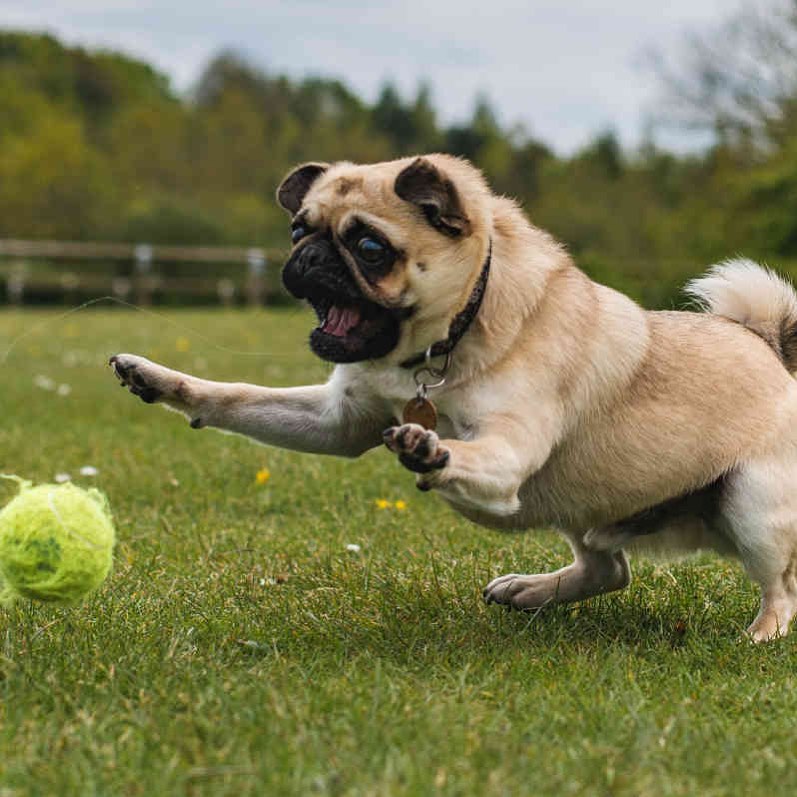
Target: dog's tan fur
566, 405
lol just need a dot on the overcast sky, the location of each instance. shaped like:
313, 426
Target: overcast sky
566, 69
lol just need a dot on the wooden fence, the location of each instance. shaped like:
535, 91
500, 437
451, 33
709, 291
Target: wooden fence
38, 271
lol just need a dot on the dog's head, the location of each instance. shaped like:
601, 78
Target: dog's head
386, 254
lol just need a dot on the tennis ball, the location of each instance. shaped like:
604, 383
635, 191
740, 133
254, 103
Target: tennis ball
56, 543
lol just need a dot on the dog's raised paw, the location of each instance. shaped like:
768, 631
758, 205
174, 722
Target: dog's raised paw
418, 449
133, 373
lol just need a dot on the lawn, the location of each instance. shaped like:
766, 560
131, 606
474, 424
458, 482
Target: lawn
244, 645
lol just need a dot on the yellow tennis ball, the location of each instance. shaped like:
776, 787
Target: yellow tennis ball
56, 543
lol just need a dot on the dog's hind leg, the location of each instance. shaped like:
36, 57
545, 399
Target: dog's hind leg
760, 514
778, 606
689, 517
592, 573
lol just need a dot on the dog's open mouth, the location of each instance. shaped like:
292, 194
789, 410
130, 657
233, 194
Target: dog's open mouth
351, 326
340, 321
350, 331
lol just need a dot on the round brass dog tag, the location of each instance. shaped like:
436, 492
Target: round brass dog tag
421, 411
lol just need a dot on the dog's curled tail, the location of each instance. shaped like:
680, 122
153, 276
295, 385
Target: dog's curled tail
755, 296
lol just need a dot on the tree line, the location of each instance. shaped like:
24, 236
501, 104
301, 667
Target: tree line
95, 145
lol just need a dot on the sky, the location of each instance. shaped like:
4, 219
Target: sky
565, 70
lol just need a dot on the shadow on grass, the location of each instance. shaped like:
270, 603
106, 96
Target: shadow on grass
415, 627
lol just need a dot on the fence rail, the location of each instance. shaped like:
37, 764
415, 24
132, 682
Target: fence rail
136, 272
73, 250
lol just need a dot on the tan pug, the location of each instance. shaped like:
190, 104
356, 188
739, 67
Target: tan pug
563, 404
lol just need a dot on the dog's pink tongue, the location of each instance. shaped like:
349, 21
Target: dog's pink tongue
341, 320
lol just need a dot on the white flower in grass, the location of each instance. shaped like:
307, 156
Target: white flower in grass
88, 470
353, 547
44, 382
60, 478
251, 644
64, 390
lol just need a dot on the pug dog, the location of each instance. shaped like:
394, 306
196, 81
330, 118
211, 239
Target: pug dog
522, 392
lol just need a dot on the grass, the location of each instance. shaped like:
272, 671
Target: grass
240, 648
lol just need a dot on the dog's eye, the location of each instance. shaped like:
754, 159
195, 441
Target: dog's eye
299, 232
370, 250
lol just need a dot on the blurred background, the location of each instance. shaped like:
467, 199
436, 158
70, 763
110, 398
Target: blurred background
140, 146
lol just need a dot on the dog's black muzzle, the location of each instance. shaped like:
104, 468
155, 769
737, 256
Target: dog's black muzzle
318, 273
351, 327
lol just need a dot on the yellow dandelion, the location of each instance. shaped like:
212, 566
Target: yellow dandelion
400, 505
262, 476
182, 344
381, 503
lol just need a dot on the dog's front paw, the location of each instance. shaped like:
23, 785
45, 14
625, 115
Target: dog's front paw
418, 449
149, 381
136, 374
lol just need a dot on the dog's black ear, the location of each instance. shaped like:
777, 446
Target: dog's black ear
296, 184
423, 184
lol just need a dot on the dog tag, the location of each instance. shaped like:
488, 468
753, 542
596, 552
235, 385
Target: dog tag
421, 411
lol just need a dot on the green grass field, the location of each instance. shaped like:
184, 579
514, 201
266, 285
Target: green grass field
240, 648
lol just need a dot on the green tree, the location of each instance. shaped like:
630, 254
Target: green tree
52, 185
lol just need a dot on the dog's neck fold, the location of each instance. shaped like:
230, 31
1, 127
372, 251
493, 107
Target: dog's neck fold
461, 322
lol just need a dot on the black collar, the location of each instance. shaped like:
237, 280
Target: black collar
462, 320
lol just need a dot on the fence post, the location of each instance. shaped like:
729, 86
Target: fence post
70, 282
143, 262
121, 287
256, 263
15, 284
225, 289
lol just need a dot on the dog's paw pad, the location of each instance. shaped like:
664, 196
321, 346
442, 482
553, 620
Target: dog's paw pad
132, 374
418, 449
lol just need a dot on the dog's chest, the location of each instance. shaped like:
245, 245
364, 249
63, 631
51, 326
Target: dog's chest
452, 421
455, 416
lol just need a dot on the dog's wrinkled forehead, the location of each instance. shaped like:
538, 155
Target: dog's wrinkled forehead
417, 203
346, 193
